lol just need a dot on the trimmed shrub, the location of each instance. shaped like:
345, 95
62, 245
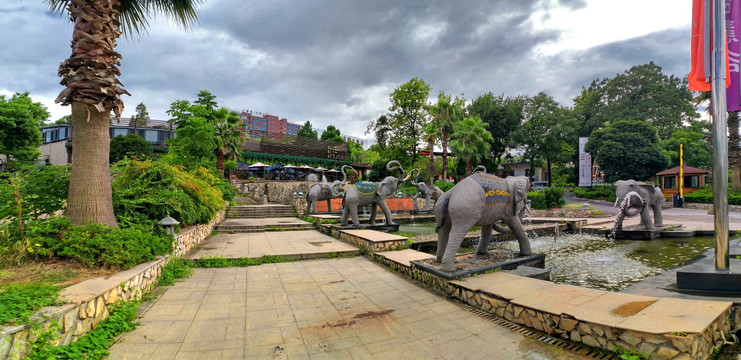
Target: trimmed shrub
705, 196
603, 192
537, 200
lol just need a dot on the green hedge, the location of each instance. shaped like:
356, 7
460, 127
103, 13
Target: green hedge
705, 196
604, 192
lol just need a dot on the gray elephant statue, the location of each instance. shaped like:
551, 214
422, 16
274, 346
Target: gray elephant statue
430, 192
364, 193
480, 199
324, 191
636, 197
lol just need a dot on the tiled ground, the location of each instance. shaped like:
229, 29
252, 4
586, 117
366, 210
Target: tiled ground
325, 309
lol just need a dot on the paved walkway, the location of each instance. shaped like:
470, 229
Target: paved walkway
293, 244
325, 309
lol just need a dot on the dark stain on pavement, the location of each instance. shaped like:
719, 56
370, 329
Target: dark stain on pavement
335, 282
372, 314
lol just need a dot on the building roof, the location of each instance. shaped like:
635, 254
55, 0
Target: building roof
686, 168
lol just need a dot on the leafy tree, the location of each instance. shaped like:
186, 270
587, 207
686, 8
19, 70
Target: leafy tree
141, 118
503, 116
92, 88
332, 134
407, 117
64, 120
546, 133
470, 141
642, 92
307, 131
355, 151
41, 189
228, 138
445, 113
207, 100
132, 146
20, 135
381, 130
180, 112
194, 143
627, 149
696, 148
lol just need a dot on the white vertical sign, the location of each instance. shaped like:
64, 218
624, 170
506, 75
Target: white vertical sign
585, 164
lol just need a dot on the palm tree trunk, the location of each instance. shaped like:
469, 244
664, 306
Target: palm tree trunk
469, 167
90, 182
220, 161
445, 154
431, 167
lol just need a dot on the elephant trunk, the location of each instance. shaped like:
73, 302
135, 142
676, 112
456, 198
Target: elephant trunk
632, 204
344, 174
389, 167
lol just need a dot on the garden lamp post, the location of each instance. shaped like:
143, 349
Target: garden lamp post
169, 223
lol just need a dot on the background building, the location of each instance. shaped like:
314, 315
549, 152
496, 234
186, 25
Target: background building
255, 124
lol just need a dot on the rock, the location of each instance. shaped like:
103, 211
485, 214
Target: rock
683, 357
598, 331
602, 341
646, 348
90, 309
682, 344
575, 336
112, 296
589, 340
666, 352
568, 324
486, 306
6, 343
610, 335
584, 328
517, 311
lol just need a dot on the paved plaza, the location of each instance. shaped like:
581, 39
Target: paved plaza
348, 308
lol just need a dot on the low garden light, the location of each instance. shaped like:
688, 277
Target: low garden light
169, 223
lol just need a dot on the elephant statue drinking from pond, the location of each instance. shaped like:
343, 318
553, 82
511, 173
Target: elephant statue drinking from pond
364, 193
480, 199
430, 192
635, 197
324, 191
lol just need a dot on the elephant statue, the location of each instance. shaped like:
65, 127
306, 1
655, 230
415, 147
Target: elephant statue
372, 193
324, 191
428, 191
480, 199
637, 197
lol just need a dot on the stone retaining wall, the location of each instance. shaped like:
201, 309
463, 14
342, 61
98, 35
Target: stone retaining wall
564, 213
678, 346
708, 206
88, 301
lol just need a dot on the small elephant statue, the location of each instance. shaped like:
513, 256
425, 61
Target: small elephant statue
364, 193
635, 197
324, 191
430, 192
480, 199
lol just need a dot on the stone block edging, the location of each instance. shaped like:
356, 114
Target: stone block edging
89, 301
709, 206
671, 345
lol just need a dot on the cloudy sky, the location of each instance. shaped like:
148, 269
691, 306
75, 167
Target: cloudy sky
335, 62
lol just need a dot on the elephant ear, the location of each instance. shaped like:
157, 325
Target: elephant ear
647, 187
383, 190
520, 195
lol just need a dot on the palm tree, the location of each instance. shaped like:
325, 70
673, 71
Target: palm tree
431, 133
470, 141
227, 136
444, 114
93, 89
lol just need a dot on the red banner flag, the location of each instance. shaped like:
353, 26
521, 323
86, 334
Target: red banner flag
699, 76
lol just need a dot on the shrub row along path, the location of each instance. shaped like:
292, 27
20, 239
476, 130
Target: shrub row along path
346, 308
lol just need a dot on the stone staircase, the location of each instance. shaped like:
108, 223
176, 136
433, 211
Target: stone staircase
260, 211
260, 218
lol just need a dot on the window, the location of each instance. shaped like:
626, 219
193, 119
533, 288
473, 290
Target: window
692, 181
670, 182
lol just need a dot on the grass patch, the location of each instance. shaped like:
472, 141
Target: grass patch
20, 301
572, 206
94, 344
220, 262
175, 270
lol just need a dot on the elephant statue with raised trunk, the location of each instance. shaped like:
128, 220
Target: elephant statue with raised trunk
636, 197
364, 193
324, 191
430, 192
480, 199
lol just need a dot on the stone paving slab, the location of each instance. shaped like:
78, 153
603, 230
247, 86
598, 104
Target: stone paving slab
303, 244
373, 235
557, 299
506, 286
348, 308
668, 315
603, 309
404, 257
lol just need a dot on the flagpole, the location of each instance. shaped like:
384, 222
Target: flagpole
681, 171
720, 141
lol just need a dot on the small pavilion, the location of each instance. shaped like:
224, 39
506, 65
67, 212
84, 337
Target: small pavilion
694, 179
